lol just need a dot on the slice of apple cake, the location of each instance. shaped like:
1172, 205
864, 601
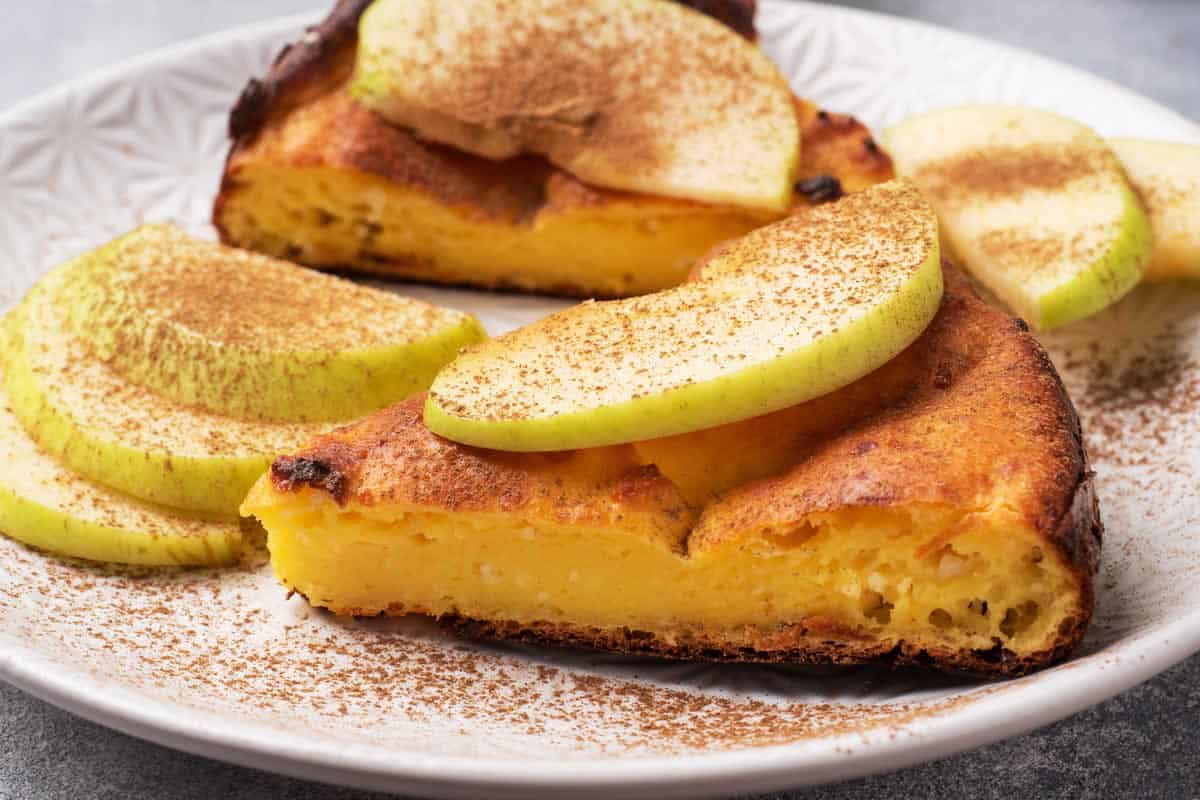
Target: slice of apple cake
938, 512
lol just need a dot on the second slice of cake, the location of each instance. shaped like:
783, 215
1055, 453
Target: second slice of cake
315, 176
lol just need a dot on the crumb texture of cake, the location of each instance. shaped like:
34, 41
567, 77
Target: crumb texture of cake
944, 516
316, 178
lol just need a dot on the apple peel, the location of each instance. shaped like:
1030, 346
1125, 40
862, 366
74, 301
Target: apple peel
787, 313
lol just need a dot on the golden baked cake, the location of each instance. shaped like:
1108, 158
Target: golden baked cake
315, 177
938, 512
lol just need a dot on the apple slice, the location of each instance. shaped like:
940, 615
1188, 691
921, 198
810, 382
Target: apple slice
1035, 204
115, 432
250, 336
44, 505
1166, 176
789, 312
639, 95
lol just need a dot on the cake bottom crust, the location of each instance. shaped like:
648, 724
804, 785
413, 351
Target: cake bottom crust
815, 641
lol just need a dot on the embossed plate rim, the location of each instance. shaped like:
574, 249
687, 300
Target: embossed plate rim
985, 715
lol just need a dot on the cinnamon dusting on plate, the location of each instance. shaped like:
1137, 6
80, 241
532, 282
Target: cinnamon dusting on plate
217, 641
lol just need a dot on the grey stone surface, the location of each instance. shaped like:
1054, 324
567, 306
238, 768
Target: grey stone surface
1150, 46
1140, 744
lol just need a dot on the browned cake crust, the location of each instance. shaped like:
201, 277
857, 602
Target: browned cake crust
301, 71
985, 416
736, 14
815, 641
837, 148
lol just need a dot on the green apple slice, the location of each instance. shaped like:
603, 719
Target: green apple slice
44, 505
1166, 176
115, 432
638, 95
1035, 205
253, 337
792, 311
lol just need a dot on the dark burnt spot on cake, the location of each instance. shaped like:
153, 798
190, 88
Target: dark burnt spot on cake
248, 111
296, 63
820, 188
290, 474
735, 14
840, 145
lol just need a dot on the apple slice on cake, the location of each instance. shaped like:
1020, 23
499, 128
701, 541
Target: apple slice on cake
638, 95
787, 313
1034, 204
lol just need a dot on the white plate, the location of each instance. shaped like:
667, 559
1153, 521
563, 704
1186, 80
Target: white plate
222, 664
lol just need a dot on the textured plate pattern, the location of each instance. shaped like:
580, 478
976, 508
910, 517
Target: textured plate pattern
225, 664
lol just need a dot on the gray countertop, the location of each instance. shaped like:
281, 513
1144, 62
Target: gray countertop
1140, 744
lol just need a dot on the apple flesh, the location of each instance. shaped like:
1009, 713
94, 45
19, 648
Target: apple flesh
45, 505
253, 337
1166, 176
787, 313
115, 432
638, 95
1035, 205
